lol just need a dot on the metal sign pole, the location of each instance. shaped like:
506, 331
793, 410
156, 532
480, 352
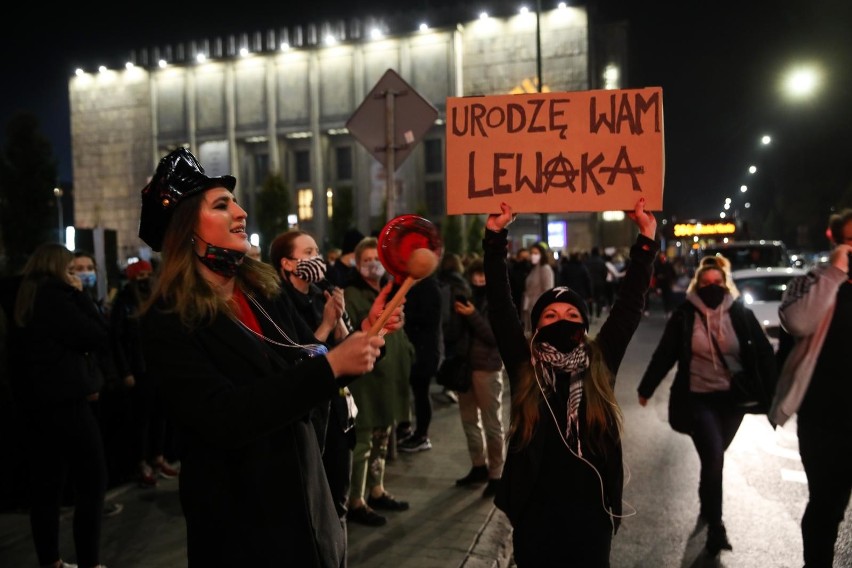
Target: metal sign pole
543, 217
390, 149
416, 117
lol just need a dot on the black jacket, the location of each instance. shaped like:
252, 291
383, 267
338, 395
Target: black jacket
56, 350
423, 326
126, 339
756, 354
483, 352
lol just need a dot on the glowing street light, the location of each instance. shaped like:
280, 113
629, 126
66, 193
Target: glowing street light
801, 82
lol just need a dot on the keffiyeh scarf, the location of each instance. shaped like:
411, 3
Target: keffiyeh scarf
572, 365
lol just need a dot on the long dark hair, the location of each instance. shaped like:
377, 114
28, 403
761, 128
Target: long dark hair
603, 414
50, 261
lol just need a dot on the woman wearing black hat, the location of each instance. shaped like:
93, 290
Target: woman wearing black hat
562, 482
238, 387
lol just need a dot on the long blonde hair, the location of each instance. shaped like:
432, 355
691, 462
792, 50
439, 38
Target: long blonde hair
49, 261
180, 288
603, 415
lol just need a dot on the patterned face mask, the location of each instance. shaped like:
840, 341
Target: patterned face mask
221, 260
310, 269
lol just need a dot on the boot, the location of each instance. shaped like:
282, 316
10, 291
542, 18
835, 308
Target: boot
477, 474
717, 540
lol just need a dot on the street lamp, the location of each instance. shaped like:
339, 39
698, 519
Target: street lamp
801, 82
57, 193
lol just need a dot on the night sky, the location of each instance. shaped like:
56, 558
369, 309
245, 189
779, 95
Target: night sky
719, 65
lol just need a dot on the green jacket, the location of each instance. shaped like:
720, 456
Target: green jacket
382, 395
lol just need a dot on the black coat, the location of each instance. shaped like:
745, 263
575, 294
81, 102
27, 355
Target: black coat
56, 350
126, 340
423, 326
756, 354
252, 485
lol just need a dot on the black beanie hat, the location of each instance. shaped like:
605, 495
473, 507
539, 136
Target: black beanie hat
351, 238
559, 294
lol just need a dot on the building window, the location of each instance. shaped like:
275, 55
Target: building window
261, 168
434, 155
303, 166
435, 197
343, 161
329, 203
306, 204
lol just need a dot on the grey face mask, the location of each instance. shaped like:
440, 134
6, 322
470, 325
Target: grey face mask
372, 270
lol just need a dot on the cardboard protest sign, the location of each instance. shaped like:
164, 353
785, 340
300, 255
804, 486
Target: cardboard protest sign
555, 152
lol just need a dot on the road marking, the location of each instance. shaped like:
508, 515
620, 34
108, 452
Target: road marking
796, 476
776, 450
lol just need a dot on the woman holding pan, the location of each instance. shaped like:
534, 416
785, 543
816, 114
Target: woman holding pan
236, 382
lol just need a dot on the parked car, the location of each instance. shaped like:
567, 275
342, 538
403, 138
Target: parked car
761, 290
750, 254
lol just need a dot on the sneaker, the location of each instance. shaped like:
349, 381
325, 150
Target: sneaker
64, 564
412, 444
166, 471
477, 474
365, 516
451, 396
147, 477
387, 503
403, 433
491, 489
112, 509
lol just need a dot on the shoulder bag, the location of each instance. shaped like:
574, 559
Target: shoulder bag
747, 391
455, 373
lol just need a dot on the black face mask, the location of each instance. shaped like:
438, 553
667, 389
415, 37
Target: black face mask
221, 260
478, 291
144, 286
712, 295
563, 335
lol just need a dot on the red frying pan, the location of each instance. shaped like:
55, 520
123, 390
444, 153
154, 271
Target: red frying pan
409, 248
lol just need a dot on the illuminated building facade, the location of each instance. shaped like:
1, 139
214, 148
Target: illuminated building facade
278, 103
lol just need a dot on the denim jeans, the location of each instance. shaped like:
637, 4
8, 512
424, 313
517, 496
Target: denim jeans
716, 423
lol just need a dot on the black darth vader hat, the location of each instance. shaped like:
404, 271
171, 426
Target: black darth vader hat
178, 176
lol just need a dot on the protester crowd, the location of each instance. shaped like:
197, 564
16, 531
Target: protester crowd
142, 385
